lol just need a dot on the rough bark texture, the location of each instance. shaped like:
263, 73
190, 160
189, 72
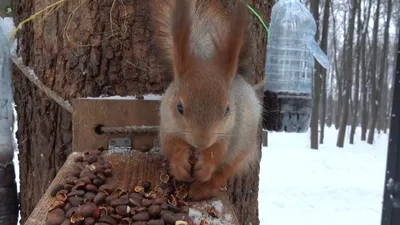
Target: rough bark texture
89, 48
348, 63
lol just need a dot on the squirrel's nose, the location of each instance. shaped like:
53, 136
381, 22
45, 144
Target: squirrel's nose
203, 140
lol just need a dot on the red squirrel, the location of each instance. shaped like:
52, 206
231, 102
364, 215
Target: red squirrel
208, 107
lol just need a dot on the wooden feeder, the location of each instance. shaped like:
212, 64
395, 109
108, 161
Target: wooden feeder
134, 158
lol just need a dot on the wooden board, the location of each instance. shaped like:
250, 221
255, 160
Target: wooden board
88, 113
130, 169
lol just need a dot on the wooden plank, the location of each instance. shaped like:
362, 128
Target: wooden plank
130, 169
88, 113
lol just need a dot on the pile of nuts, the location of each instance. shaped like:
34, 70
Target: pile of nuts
89, 195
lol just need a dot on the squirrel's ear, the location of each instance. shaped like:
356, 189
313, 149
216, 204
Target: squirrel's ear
229, 48
181, 32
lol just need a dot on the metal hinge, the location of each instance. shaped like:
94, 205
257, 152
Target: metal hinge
119, 145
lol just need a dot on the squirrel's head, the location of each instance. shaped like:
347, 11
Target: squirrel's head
202, 104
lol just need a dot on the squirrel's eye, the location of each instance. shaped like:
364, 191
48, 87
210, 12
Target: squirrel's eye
227, 110
179, 107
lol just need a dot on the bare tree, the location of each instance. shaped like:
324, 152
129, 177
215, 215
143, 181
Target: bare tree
390, 92
356, 101
324, 46
364, 74
348, 62
375, 87
383, 69
317, 84
337, 106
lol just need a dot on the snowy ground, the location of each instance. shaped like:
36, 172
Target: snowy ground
300, 186
331, 186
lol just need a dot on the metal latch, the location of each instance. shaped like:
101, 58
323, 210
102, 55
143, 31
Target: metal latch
119, 145
393, 188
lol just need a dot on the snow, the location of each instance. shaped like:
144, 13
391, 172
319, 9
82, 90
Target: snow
197, 216
151, 97
328, 186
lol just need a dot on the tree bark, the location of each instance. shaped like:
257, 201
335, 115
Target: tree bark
364, 76
324, 47
354, 122
317, 83
347, 73
374, 86
77, 51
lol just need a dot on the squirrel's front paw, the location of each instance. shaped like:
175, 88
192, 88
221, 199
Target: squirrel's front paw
200, 191
203, 171
180, 167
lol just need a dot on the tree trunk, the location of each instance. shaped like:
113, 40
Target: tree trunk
77, 52
354, 122
8, 186
317, 83
347, 73
382, 83
338, 75
375, 92
330, 103
390, 92
364, 76
324, 47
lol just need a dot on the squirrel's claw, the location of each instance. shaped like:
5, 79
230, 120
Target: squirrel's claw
203, 171
180, 169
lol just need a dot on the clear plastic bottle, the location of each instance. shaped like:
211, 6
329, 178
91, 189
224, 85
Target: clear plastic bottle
289, 68
8, 186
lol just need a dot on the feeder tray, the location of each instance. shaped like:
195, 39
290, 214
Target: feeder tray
129, 165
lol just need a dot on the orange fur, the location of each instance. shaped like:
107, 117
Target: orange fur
229, 49
205, 190
177, 152
209, 159
219, 112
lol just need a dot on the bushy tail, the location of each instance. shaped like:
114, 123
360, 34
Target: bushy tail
205, 18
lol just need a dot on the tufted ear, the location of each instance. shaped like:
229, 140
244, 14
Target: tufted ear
181, 32
228, 48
